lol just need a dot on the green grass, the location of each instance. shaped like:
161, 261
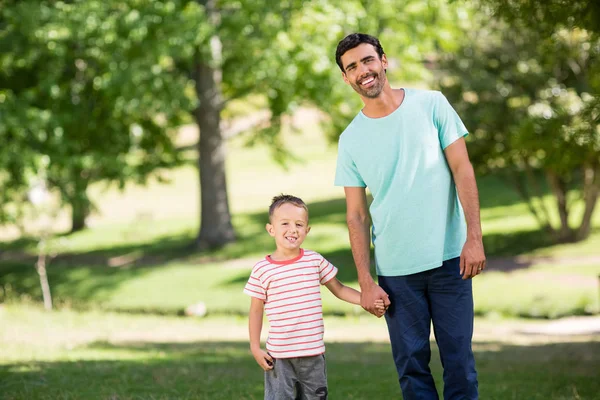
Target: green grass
136, 255
72, 355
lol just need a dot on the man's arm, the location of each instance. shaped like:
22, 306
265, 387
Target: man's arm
472, 258
357, 218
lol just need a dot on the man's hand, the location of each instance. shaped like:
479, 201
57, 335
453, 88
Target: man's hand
370, 294
472, 258
262, 358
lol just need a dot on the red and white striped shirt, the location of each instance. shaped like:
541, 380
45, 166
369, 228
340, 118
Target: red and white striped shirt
292, 295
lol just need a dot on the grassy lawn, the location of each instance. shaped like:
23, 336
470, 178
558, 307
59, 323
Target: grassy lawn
136, 255
100, 355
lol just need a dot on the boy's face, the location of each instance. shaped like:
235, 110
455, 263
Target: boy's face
289, 226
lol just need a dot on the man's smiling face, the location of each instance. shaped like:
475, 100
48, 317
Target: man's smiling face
364, 70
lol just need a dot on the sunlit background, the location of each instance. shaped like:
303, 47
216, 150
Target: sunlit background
141, 142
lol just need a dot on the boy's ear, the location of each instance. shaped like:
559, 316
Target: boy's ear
269, 229
307, 229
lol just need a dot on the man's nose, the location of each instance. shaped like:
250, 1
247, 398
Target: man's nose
362, 70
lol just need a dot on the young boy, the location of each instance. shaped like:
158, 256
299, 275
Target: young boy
286, 285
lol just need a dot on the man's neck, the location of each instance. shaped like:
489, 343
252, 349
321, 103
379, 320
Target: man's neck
383, 105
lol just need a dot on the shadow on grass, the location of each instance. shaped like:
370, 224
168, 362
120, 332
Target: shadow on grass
179, 247
226, 370
96, 273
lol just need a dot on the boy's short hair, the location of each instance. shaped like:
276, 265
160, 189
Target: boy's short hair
354, 40
282, 199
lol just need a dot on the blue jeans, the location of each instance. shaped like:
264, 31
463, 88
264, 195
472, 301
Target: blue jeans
442, 296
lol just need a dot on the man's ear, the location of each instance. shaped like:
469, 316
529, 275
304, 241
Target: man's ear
345, 78
269, 229
384, 61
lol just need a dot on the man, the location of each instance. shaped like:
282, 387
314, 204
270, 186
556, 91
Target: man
407, 146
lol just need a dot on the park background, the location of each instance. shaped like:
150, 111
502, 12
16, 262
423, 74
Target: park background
126, 236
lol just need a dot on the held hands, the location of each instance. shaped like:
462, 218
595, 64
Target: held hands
380, 308
472, 259
263, 359
372, 297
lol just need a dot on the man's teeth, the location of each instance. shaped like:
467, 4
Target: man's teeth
367, 81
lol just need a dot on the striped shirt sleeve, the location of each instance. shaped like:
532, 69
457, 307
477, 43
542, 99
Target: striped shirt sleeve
254, 286
327, 271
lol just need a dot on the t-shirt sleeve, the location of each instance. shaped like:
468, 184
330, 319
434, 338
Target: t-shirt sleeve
449, 125
346, 173
327, 271
254, 286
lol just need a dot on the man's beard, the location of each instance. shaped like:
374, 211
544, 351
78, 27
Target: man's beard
373, 91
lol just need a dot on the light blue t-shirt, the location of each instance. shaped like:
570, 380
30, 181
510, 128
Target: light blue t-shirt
418, 221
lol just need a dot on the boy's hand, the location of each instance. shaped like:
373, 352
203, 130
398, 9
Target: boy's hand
380, 308
263, 359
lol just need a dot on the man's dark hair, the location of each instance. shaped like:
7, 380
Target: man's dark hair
280, 200
353, 40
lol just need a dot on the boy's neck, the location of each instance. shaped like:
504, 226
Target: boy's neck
284, 254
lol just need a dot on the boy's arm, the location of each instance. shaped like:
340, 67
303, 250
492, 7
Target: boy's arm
350, 295
255, 322
343, 292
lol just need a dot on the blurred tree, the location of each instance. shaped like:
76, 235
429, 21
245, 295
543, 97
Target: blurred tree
284, 52
532, 102
88, 86
547, 15
95, 85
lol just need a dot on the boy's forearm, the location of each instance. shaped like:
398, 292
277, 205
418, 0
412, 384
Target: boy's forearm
255, 322
348, 294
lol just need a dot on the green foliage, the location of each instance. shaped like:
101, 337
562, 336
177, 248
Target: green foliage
530, 101
88, 86
547, 15
284, 51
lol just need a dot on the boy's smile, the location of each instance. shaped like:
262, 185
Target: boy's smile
289, 227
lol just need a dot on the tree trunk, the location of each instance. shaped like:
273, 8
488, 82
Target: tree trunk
80, 212
559, 187
40, 267
215, 219
521, 189
80, 205
591, 186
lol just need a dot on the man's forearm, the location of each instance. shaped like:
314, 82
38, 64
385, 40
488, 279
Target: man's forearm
469, 199
360, 241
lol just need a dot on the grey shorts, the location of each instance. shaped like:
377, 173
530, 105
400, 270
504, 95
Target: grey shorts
299, 378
